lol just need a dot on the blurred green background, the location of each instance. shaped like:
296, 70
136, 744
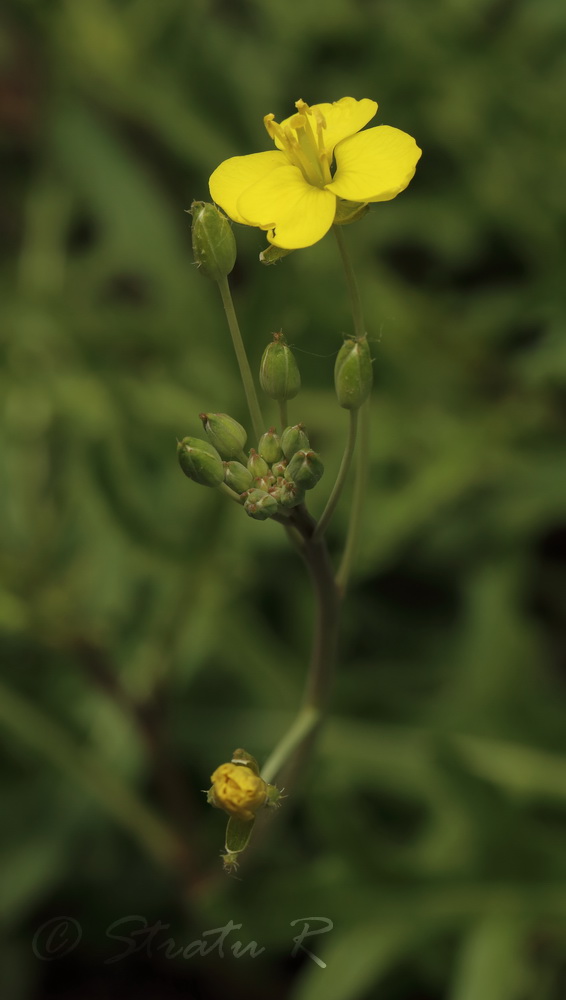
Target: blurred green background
148, 628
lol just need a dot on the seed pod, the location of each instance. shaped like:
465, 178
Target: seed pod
225, 433
353, 373
200, 461
279, 375
214, 246
260, 505
293, 439
269, 446
237, 477
257, 465
305, 469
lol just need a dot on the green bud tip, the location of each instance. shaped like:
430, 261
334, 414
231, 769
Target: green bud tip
278, 374
200, 461
225, 433
293, 439
287, 493
353, 373
305, 469
214, 246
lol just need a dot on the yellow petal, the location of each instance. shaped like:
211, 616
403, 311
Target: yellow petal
233, 176
374, 165
298, 213
343, 118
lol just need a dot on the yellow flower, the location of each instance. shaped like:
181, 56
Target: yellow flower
237, 790
293, 192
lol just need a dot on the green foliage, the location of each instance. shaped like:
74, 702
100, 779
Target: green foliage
147, 628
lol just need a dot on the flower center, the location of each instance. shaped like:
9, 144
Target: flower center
302, 141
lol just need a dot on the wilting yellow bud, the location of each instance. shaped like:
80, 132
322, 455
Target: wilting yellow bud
237, 790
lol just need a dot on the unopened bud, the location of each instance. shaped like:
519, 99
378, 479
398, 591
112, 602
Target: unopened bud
293, 439
225, 433
257, 465
200, 461
305, 469
260, 505
278, 374
269, 446
288, 494
237, 477
353, 373
264, 482
214, 246
279, 468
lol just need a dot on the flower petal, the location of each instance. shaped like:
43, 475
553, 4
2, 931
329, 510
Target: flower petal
233, 176
375, 165
343, 118
298, 213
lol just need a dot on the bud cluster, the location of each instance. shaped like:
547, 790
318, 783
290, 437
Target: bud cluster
270, 479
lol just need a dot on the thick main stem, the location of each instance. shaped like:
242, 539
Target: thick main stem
317, 686
242, 358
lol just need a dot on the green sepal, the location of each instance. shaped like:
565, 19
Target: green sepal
353, 373
279, 374
214, 246
200, 461
293, 439
257, 465
241, 756
305, 469
269, 446
238, 833
349, 211
225, 433
260, 505
237, 477
273, 254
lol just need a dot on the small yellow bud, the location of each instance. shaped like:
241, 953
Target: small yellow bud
238, 790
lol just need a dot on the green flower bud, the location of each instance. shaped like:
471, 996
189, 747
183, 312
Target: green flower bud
257, 465
214, 246
293, 439
200, 461
225, 433
260, 505
264, 482
305, 469
237, 477
279, 468
269, 446
278, 374
353, 373
287, 493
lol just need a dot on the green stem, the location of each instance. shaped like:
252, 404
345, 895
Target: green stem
283, 419
353, 290
229, 492
242, 358
341, 477
296, 741
46, 738
354, 525
358, 500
